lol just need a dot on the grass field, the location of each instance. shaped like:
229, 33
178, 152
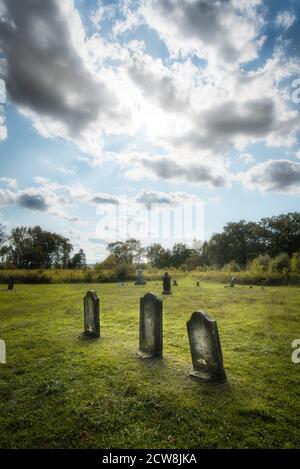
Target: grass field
60, 390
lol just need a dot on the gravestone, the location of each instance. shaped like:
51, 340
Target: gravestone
166, 284
151, 327
198, 283
10, 283
175, 284
232, 282
91, 314
205, 348
140, 278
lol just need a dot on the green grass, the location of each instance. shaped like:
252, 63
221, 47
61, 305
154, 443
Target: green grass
59, 390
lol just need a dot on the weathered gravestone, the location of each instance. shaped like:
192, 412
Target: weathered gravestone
91, 314
10, 283
198, 283
166, 284
231, 283
205, 347
151, 327
175, 284
140, 278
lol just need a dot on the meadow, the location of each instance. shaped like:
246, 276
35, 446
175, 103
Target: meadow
59, 389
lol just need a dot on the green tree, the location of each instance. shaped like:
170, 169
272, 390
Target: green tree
78, 261
180, 253
128, 252
31, 248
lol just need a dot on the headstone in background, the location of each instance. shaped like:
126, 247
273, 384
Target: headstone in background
232, 282
205, 347
151, 327
166, 284
198, 283
10, 283
140, 278
175, 284
91, 314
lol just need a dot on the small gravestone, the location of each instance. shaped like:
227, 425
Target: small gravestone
175, 284
10, 283
231, 283
91, 314
205, 348
140, 278
166, 284
151, 327
198, 283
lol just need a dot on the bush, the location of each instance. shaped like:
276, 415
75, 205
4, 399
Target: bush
281, 263
295, 262
261, 264
124, 272
232, 266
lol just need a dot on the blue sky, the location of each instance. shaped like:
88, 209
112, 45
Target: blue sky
159, 104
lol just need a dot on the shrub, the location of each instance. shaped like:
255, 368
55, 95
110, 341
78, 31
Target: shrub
232, 266
281, 263
261, 264
295, 262
124, 272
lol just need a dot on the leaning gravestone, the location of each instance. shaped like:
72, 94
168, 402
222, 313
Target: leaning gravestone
91, 314
232, 282
140, 278
151, 327
166, 284
205, 348
10, 283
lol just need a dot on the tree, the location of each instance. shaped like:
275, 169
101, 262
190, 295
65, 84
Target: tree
78, 261
282, 233
31, 248
240, 242
128, 252
158, 256
180, 253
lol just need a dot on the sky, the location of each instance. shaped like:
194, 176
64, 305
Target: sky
160, 120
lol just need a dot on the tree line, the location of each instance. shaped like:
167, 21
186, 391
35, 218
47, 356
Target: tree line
35, 248
239, 242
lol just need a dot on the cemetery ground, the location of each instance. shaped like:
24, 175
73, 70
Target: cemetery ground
59, 389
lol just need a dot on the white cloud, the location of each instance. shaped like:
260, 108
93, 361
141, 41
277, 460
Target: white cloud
247, 158
10, 182
273, 176
285, 19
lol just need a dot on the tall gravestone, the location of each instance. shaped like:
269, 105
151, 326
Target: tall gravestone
151, 327
205, 347
166, 284
91, 314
